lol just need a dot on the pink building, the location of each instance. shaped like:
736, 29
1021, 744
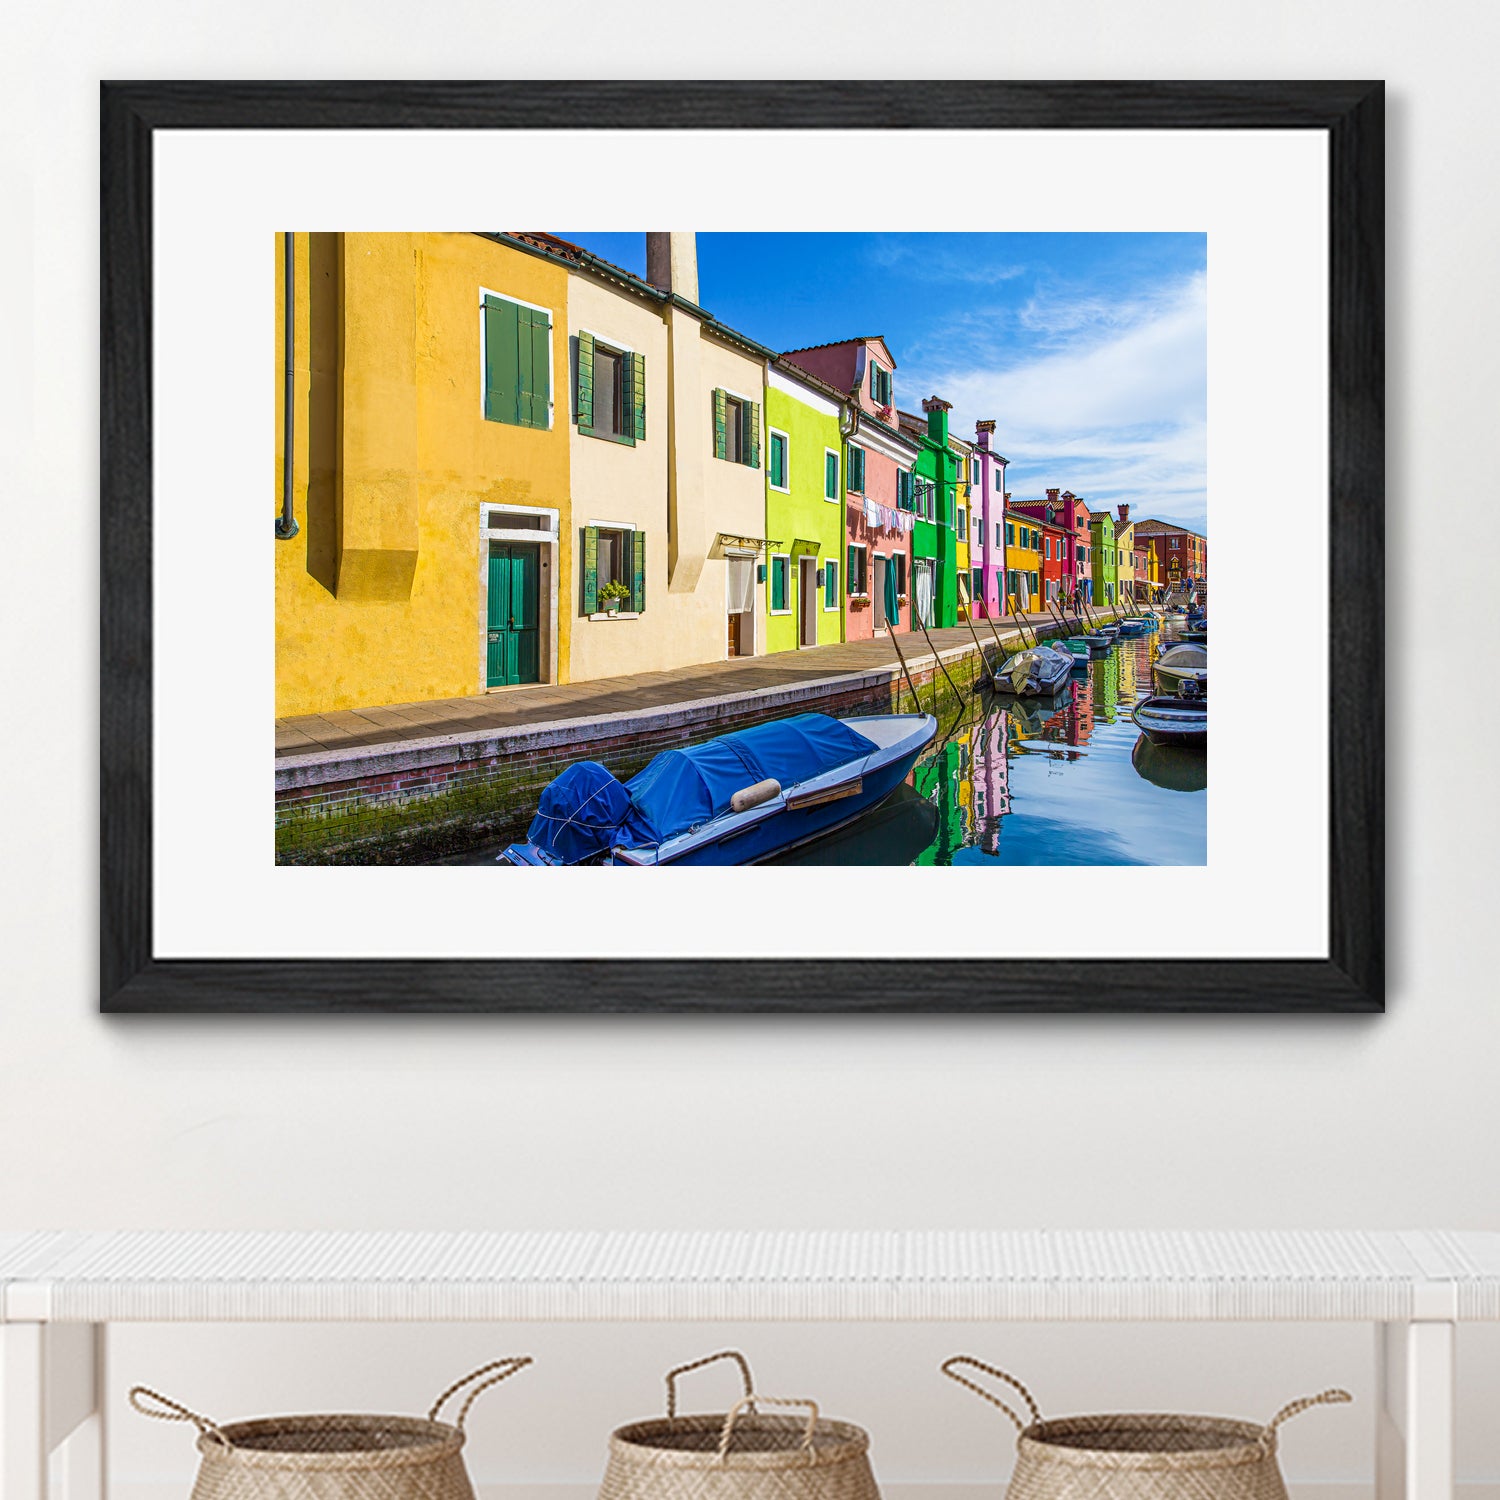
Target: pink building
987, 523
1067, 518
877, 465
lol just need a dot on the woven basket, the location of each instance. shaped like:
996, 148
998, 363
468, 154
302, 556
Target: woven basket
333, 1457
1140, 1456
741, 1454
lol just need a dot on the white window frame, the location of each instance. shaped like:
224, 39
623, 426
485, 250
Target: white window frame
838, 475
785, 557
619, 614
832, 609
771, 434
484, 351
849, 582
890, 376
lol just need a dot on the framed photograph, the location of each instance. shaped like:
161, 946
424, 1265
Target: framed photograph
844, 552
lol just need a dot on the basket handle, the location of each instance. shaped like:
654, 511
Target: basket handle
507, 1367
140, 1394
698, 1364
750, 1401
1292, 1409
948, 1368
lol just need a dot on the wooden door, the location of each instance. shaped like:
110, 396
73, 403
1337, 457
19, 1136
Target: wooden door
513, 649
807, 600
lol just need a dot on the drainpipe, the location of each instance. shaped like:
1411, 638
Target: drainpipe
286, 522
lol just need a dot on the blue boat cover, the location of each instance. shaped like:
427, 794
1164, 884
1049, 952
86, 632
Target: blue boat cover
579, 813
682, 789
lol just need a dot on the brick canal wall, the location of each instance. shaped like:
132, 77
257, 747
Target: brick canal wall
420, 799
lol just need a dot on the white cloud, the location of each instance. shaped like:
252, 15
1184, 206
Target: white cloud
1106, 398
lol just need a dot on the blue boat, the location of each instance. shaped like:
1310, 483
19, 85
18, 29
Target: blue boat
1132, 627
735, 800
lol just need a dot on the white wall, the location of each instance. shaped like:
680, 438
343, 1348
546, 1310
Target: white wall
1386, 1122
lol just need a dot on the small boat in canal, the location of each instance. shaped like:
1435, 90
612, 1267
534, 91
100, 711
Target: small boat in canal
1179, 664
1175, 719
1036, 672
735, 800
1131, 628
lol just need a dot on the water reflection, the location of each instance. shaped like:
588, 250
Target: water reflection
1064, 780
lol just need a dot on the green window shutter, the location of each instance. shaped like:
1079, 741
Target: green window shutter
830, 476
778, 583
638, 572
721, 443
502, 376
591, 570
638, 394
583, 400
751, 445
534, 386
849, 574
830, 584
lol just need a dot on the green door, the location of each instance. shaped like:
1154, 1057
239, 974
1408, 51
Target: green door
513, 650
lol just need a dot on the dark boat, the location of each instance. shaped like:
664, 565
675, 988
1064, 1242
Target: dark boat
1174, 720
734, 800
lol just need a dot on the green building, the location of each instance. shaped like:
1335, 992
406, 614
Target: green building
1106, 562
804, 511
934, 541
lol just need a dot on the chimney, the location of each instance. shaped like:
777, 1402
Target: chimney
1052, 497
672, 263
937, 419
982, 431
1124, 515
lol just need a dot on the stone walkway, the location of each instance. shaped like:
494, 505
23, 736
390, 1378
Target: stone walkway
350, 729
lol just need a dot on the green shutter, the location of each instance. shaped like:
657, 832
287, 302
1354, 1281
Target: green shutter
534, 383
638, 394
721, 444
638, 571
830, 584
830, 476
501, 372
584, 400
750, 446
590, 570
778, 583
849, 575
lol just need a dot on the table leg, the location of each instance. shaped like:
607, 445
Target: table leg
1414, 1437
23, 1437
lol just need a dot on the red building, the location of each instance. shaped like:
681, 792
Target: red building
1175, 556
877, 513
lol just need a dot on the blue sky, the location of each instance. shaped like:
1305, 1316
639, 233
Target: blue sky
1090, 351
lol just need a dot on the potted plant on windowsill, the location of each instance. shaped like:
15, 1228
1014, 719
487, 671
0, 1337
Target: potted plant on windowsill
612, 595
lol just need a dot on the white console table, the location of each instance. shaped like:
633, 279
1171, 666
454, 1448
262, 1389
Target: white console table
60, 1291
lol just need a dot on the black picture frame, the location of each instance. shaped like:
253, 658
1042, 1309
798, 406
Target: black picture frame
1350, 979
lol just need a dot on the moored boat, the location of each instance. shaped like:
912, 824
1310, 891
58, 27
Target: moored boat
734, 800
1172, 719
1179, 664
1131, 628
1034, 672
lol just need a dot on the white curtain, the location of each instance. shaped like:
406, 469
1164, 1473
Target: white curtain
1023, 591
741, 585
924, 593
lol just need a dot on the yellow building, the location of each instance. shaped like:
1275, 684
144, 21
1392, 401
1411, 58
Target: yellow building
1023, 563
963, 519
429, 490
1128, 563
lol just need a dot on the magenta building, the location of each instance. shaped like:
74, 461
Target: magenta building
877, 467
987, 523
1066, 514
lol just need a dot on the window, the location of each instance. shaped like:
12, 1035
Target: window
978, 584
830, 474
1010, 534
517, 361
609, 393
880, 385
974, 472
781, 578
963, 524
1035, 587
904, 499
614, 554
777, 468
1176, 543
856, 471
831, 584
999, 539
736, 429
859, 579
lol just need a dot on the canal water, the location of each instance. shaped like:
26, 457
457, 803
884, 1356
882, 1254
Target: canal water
1061, 781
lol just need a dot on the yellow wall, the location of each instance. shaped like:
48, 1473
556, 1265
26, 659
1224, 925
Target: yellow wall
615, 482
379, 597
